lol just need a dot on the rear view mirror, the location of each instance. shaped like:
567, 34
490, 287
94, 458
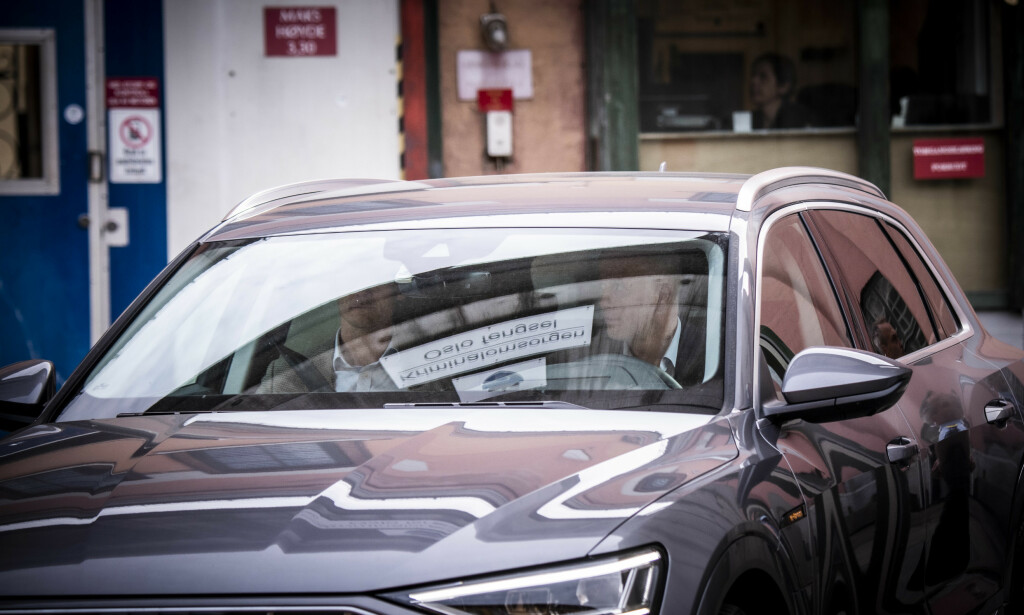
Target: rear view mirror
825, 384
447, 283
25, 388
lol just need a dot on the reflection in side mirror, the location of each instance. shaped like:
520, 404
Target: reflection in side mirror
825, 384
25, 388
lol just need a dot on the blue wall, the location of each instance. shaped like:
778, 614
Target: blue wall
135, 48
44, 268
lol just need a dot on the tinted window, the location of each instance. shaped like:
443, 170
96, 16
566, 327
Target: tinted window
798, 304
880, 287
938, 304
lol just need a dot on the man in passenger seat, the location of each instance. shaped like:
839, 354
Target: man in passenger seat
363, 338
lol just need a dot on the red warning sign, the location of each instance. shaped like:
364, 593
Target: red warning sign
299, 31
135, 132
949, 158
133, 93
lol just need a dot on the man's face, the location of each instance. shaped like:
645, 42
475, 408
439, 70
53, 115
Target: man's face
369, 309
630, 302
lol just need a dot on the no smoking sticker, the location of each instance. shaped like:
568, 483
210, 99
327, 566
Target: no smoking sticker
135, 132
135, 149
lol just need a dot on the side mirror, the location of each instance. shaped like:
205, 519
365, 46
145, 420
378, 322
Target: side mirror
825, 384
25, 389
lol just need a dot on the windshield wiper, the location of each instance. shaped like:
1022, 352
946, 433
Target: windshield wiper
557, 405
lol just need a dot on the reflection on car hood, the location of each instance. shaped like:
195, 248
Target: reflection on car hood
328, 501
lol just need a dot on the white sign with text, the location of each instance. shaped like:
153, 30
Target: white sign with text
486, 346
485, 70
136, 152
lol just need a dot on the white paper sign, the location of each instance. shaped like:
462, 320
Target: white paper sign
486, 346
135, 146
485, 70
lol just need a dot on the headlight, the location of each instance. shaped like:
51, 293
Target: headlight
621, 585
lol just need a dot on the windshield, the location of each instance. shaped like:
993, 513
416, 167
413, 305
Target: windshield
595, 317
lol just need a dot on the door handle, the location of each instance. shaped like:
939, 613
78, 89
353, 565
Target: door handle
998, 411
900, 450
96, 167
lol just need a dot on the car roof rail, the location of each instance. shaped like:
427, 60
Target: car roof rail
300, 188
769, 181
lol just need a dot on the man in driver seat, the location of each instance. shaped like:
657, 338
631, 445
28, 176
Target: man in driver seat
640, 305
363, 338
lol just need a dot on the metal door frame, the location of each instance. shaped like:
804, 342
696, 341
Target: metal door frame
99, 253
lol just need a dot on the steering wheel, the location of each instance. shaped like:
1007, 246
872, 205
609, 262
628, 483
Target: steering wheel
610, 372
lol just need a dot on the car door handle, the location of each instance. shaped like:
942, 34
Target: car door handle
998, 411
900, 450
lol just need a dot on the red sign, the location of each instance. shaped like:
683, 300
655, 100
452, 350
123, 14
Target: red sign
299, 31
494, 100
135, 132
133, 92
949, 158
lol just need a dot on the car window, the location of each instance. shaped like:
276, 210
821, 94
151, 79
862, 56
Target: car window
600, 318
938, 304
883, 292
798, 304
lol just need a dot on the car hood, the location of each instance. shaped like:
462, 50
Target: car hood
328, 501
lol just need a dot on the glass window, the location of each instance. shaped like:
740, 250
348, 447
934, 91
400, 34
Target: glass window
742, 65
938, 304
798, 304
939, 62
600, 318
28, 140
882, 289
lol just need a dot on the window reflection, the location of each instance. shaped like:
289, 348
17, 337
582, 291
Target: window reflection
798, 306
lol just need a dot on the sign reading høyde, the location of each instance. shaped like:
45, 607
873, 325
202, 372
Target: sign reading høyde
300, 31
949, 158
480, 348
134, 132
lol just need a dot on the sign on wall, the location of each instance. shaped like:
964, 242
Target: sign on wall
300, 31
949, 158
133, 124
483, 70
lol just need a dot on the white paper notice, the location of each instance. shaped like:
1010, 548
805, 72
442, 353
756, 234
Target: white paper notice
485, 70
136, 152
486, 346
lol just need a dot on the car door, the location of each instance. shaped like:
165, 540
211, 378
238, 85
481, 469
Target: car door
970, 466
866, 509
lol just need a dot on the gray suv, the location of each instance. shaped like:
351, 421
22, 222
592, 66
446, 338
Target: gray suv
593, 394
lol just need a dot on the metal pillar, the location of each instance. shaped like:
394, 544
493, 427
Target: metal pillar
874, 114
1013, 86
612, 90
